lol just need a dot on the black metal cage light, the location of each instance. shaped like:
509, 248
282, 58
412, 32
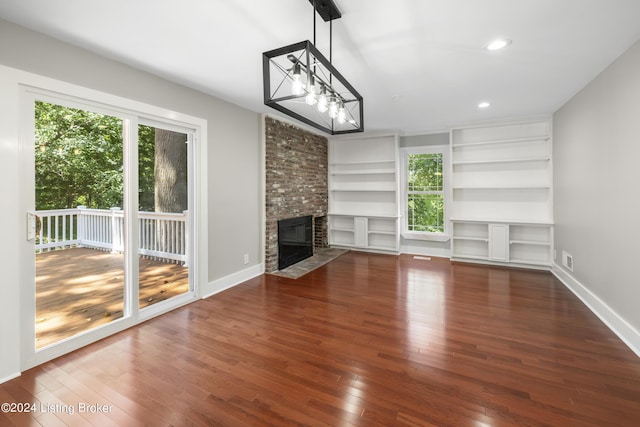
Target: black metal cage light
300, 82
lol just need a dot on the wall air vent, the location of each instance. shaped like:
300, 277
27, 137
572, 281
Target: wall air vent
567, 260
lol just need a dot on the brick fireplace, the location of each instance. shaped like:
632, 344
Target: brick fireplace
296, 183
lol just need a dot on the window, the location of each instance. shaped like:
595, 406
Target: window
425, 193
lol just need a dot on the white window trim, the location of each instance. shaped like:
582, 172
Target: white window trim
446, 170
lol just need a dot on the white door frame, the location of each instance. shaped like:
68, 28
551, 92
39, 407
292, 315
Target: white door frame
48, 90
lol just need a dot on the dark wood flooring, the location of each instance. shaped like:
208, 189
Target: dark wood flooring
366, 340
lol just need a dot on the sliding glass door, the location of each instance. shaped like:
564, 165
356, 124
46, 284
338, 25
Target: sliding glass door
109, 221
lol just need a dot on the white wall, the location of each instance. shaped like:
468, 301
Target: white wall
234, 167
596, 196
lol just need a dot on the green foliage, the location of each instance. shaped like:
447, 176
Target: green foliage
79, 158
425, 193
146, 167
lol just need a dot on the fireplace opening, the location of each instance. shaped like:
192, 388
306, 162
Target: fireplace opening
295, 240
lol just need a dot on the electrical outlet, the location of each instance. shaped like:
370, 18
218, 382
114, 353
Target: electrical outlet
246, 258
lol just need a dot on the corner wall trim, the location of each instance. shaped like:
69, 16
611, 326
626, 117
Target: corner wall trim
618, 325
10, 377
232, 280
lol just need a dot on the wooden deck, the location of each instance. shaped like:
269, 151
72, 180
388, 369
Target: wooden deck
78, 289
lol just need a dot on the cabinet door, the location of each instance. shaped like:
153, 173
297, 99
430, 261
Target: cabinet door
361, 232
499, 242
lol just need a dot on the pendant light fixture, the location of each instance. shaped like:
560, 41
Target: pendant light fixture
301, 83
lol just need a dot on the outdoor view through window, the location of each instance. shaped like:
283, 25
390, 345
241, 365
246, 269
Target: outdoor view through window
425, 193
81, 238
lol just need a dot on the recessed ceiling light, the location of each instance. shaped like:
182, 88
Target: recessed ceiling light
484, 104
498, 44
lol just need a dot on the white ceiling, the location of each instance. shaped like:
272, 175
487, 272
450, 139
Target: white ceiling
421, 65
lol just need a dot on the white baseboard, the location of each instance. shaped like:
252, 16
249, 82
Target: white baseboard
231, 280
618, 325
434, 252
10, 377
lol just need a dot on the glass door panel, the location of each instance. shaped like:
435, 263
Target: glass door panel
80, 275
163, 214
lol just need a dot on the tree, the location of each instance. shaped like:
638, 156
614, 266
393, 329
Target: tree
146, 165
426, 200
170, 180
170, 171
79, 158
79, 161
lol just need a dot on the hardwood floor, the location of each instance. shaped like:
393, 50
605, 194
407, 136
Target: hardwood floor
371, 340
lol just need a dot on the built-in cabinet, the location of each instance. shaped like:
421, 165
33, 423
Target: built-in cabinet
498, 242
523, 244
363, 193
501, 184
502, 193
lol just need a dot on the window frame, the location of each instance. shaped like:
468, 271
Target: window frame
405, 152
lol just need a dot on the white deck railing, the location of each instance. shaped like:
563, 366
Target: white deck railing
161, 235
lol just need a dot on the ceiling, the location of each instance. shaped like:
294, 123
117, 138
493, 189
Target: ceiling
421, 65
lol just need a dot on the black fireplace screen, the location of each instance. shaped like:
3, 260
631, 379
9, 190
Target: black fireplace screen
295, 240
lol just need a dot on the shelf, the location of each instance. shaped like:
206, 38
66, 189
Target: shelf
362, 214
503, 187
365, 172
529, 262
511, 221
477, 239
341, 244
363, 201
362, 190
488, 162
346, 230
529, 242
372, 162
503, 141
388, 233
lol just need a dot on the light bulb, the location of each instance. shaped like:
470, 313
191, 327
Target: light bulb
322, 100
311, 97
342, 115
333, 108
297, 87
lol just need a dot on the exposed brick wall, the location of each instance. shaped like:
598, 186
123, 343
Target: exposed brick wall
320, 232
296, 180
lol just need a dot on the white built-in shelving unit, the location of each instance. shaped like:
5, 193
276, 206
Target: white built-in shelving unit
363, 193
502, 194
